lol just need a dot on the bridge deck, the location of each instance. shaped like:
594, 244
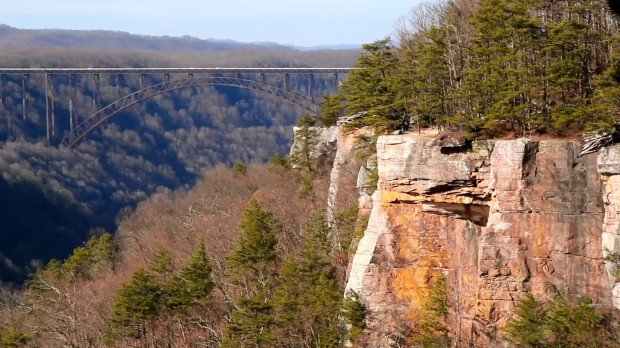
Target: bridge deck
175, 70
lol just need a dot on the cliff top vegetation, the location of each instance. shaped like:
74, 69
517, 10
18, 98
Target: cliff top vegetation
490, 68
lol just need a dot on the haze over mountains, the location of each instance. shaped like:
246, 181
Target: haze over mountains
13, 38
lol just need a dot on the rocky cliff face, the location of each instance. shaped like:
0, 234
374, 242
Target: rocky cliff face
497, 219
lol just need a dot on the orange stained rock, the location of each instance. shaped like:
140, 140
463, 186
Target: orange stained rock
411, 285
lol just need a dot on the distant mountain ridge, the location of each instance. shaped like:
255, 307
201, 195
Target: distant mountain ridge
14, 38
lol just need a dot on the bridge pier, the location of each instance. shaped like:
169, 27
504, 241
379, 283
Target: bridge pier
2, 88
73, 115
96, 94
118, 85
3, 102
287, 85
50, 121
310, 87
336, 82
25, 106
143, 82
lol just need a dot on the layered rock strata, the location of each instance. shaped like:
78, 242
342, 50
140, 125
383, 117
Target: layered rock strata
497, 219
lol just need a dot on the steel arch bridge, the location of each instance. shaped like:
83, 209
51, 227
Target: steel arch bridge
233, 77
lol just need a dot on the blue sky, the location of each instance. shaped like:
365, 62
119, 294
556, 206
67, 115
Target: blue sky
305, 23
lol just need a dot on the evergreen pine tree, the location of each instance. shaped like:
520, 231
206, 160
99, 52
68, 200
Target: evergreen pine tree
557, 323
136, 303
193, 286
162, 264
432, 325
332, 108
254, 258
372, 88
424, 78
252, 323
605, 110
304, 154
498, 81
579, 325
253, 265
526, 330
354, 313
308, 300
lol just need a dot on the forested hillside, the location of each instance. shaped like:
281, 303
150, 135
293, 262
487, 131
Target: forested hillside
54, 197
241, 258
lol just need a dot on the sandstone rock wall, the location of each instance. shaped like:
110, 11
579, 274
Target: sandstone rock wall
497, 219
346, 184
323, 142
609, 169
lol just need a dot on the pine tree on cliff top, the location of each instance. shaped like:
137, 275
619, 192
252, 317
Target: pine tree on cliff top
372, 87
424, 78
500, 78
332, 107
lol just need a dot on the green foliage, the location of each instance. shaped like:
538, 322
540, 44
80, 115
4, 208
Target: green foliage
11, 338
305, 154
156, 292
526, 330
332, 108
424, 79
354, 314
162, 265
559, 324
522, 66
255, 254
308, 155
364, 147
193, 286
251, 324
136, 302
348, 226
240, 168
253, 263
308, 299
605, 109
99, 253
85, 262
432, 325
78, 263
371, 88
373, 178
280, 160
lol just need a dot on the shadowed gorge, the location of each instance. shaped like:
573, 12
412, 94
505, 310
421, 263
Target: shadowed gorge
39, 226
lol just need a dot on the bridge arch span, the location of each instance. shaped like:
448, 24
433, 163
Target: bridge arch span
99, 118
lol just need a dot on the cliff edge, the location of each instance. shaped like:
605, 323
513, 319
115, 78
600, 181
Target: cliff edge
497, 218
